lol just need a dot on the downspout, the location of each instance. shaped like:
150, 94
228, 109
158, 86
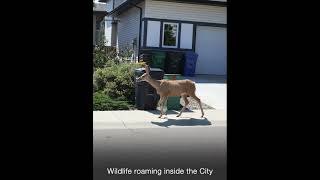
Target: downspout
140, 27
112, 27
112, 9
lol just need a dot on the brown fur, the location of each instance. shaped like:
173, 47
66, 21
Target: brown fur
167, 88
176, 87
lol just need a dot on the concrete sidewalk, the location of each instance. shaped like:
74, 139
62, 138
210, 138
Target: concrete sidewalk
134, 119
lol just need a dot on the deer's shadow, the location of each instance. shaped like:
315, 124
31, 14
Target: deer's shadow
183, 122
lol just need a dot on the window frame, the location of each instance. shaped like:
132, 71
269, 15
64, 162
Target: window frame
177, 35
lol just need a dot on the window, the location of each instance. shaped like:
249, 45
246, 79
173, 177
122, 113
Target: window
170, 35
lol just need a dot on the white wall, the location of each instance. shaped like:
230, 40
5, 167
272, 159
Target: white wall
185, 11
108, 31
98, 7
108, 25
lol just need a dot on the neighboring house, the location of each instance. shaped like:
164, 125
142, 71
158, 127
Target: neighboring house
99, 13
172, 25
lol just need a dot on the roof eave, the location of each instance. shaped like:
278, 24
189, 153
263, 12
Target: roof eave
123, 7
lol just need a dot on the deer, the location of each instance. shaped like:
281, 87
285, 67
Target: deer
167, 88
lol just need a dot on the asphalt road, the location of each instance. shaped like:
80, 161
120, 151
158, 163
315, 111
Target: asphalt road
158, 148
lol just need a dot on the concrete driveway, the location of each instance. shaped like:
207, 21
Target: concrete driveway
211, 89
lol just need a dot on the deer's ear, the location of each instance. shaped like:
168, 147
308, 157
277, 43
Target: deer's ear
147, 69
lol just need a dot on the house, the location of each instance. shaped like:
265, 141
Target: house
171, 25
99, 13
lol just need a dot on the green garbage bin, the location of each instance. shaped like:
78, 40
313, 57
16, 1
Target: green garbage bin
173, 102
158, 60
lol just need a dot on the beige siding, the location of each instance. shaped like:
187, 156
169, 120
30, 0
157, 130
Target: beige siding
185, 11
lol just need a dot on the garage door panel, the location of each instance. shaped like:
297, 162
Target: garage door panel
211, 47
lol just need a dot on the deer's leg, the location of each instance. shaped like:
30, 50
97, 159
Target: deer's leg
186, 102
199, 102
160, 104
164, 99
165, 104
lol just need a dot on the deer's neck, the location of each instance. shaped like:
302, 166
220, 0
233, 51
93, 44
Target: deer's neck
154, 83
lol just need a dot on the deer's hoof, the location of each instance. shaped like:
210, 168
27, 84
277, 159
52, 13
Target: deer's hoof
160, 116
178, 115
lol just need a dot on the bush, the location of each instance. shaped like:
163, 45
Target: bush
116, 80
95, 87
102, 55
102, 102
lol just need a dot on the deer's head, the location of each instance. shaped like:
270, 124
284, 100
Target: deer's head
146, 76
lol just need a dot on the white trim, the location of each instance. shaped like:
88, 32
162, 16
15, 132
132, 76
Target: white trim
186, 36
177, 35
153, 34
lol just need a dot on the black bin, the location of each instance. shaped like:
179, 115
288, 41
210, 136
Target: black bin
146, 96
174, 63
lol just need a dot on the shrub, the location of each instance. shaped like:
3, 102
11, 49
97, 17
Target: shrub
102, 102
95, 87
116, 80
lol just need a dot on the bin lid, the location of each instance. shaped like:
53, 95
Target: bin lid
172, 74
151, 69
159, 52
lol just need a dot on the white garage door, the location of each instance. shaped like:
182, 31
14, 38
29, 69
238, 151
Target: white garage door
211, 46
